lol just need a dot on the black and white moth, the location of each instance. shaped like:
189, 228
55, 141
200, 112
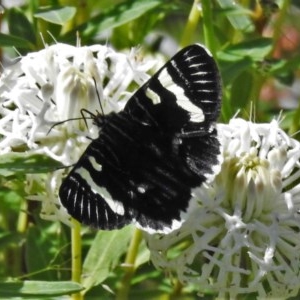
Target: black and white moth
148, 157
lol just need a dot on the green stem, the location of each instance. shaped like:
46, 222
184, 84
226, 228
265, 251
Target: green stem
123, 291
23, 217
13, 254
258, 78
295, 124
76, 256
177, 290
209, 36
191, 24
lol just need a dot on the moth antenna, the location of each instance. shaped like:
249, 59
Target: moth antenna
72, 119
98, 96
92, 116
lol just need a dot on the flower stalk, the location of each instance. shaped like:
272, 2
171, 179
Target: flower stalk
76, 256
129, 265
191, 24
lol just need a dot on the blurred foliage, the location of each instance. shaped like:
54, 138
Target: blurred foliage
256, 44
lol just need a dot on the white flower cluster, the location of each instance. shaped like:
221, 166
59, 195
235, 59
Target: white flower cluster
242, 233
53, 85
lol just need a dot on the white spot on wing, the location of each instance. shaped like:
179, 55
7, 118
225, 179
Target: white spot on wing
97, 216
141, 189
195, 65
203, 81
75, 198
81, 205
116, 206
200, 73
196, 113
95, 165
152, 96
89, 209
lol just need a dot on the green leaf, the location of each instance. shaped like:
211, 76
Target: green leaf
38, 288
12, 163
19, 25
9, 238
57, 15
284, 66
8, 40
241, 91
45, 251
256, 50
118, 15
286, 78
231, 70
237, 15
104, 255
295, 3
39, 254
